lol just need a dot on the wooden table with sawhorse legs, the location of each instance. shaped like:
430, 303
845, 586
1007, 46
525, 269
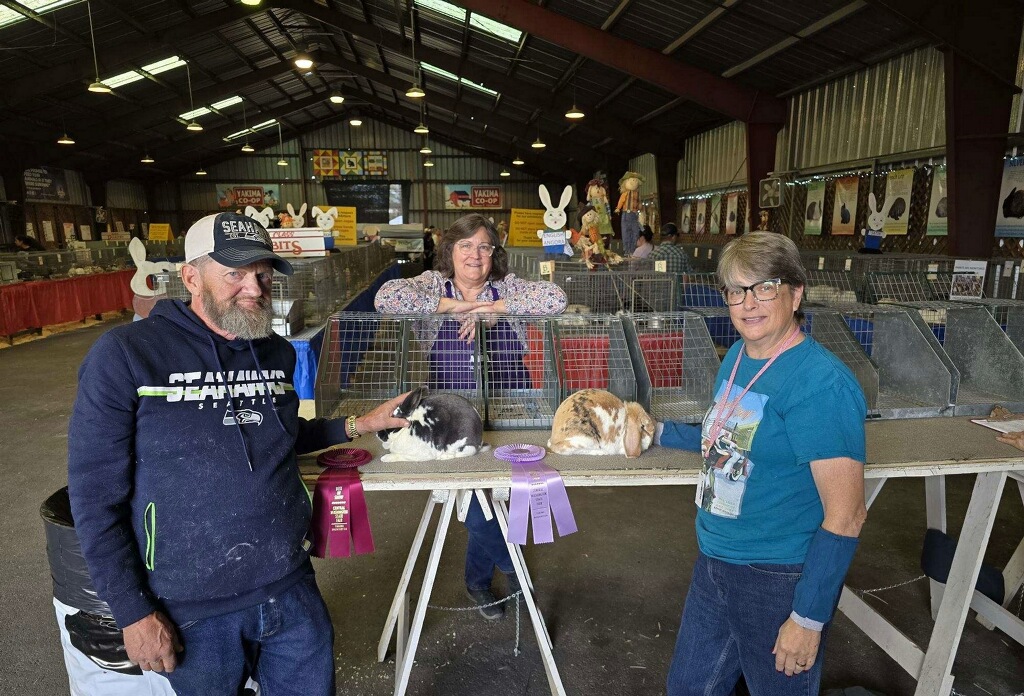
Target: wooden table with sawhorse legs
927, 448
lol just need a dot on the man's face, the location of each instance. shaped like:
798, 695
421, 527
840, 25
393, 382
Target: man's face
237, 300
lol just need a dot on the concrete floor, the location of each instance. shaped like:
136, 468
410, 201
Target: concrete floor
612, 593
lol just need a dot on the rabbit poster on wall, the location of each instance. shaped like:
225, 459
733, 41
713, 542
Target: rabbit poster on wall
702, 207
844, 210
896, 207
815, 201
1010, 216
715, 213
937, 222
684, 217
732, 204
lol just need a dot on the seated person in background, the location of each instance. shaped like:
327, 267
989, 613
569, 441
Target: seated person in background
471, 277
644, 243
676, 260
26, 243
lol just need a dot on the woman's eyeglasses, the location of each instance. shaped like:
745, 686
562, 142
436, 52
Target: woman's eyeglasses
467, 248
763, 291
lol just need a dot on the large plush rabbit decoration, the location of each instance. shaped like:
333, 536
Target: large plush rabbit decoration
261, 216
298, 219
554, 221
874, 233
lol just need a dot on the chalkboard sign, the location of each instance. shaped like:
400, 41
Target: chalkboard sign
374, 201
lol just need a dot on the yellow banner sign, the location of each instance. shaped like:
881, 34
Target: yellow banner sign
523, 226
160, 232
345, 227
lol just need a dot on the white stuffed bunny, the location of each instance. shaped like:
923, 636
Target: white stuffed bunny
299, 218
325, 218
874, 233
554, 220
261, 216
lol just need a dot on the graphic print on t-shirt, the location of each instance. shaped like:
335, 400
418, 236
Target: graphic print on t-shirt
727, 465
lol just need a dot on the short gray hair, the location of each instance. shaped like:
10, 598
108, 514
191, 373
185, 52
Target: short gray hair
761, 256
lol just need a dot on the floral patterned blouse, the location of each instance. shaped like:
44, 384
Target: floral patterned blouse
422, 295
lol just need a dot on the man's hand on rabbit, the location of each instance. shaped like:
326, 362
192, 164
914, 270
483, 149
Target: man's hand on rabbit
380, 418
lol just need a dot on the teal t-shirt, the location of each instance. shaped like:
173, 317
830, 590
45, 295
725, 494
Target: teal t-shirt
756, 497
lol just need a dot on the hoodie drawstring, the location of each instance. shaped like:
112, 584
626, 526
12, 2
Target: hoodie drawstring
231, 400
266, 385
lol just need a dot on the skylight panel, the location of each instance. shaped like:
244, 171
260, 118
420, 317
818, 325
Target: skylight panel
156, 68
216, 106
9, 16
189, 115
434, 70
502, 31
258, 126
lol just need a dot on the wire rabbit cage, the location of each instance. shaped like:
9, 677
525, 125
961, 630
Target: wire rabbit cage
606, 291
592, 353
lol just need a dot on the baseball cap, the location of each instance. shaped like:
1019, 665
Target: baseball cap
232, 240
669, 229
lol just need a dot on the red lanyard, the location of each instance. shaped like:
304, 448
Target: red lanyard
729, 407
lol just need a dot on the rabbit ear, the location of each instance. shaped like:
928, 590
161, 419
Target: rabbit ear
250, 211
333, 211
545, 197
291, 210
631, 442
413, 400
873, 202
302, 209
566, 197
316, 211
137, 250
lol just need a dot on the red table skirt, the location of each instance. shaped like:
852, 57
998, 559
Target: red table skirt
40, 303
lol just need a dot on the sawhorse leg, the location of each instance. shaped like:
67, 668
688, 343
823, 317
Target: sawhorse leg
403, 582
935, 506
936, 678
539, 628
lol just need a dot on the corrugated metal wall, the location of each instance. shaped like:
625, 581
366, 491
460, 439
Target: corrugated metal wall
644, 165
896, 106
126, 194
1016, 114
405, 163
714, 159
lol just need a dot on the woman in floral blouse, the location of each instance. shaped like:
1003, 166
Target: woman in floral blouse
471, 277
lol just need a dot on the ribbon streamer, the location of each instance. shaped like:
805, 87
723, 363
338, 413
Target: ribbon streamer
538, 492
341, 518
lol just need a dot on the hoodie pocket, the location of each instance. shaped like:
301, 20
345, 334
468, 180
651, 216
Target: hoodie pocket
149, 523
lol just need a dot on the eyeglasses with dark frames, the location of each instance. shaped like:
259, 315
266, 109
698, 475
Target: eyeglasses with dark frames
763, 291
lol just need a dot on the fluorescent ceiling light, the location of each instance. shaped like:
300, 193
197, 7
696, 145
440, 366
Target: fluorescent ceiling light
455, 78
9, 16
489, 26
156, 68
258, 126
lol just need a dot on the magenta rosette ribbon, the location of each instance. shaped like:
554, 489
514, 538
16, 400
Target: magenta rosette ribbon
341, 519
538, 493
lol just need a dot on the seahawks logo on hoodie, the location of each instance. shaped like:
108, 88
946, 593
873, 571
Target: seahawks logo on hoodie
243, 417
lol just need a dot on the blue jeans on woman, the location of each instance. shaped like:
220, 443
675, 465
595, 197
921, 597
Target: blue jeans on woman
730, 622
486, 549
286, 644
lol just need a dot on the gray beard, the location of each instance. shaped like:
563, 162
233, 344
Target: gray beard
247, 325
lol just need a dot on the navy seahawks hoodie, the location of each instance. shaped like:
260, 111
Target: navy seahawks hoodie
184, 485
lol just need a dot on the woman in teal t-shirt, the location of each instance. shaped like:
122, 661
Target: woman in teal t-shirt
781, 493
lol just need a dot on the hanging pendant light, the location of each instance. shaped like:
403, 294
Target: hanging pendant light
428, 163
538, 144
200, 171
574, 113
425, 150
505, 172
415, 91
303, 61
97, 86
247, 147
280, 141
421, 129
355, 121
518, 161
193, 125
245, 123
65, 139
146, 159
251, 3
337, 97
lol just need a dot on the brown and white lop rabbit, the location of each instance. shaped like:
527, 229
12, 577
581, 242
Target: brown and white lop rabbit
594, 421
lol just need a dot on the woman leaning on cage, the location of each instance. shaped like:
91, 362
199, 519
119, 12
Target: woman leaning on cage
470, 277
780, 499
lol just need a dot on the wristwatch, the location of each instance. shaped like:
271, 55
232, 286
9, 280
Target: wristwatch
350, 428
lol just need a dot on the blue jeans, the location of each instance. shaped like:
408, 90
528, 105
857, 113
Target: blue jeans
730, 622
286, 644
630, 232
486, 549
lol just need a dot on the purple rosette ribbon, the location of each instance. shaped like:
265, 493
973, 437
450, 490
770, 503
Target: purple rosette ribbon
538, 492
341, 518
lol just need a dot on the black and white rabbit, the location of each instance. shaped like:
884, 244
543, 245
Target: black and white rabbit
441, 426
899, 206
1013, 204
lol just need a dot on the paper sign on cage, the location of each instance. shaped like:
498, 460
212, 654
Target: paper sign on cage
538, 493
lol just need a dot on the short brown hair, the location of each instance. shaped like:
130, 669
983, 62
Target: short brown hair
464, 228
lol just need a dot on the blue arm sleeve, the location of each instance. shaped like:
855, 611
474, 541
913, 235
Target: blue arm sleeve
828, 558
678, 436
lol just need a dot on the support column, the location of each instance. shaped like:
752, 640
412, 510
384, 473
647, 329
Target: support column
667, 186
98, 197
761, 141
12, 170
977, 119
